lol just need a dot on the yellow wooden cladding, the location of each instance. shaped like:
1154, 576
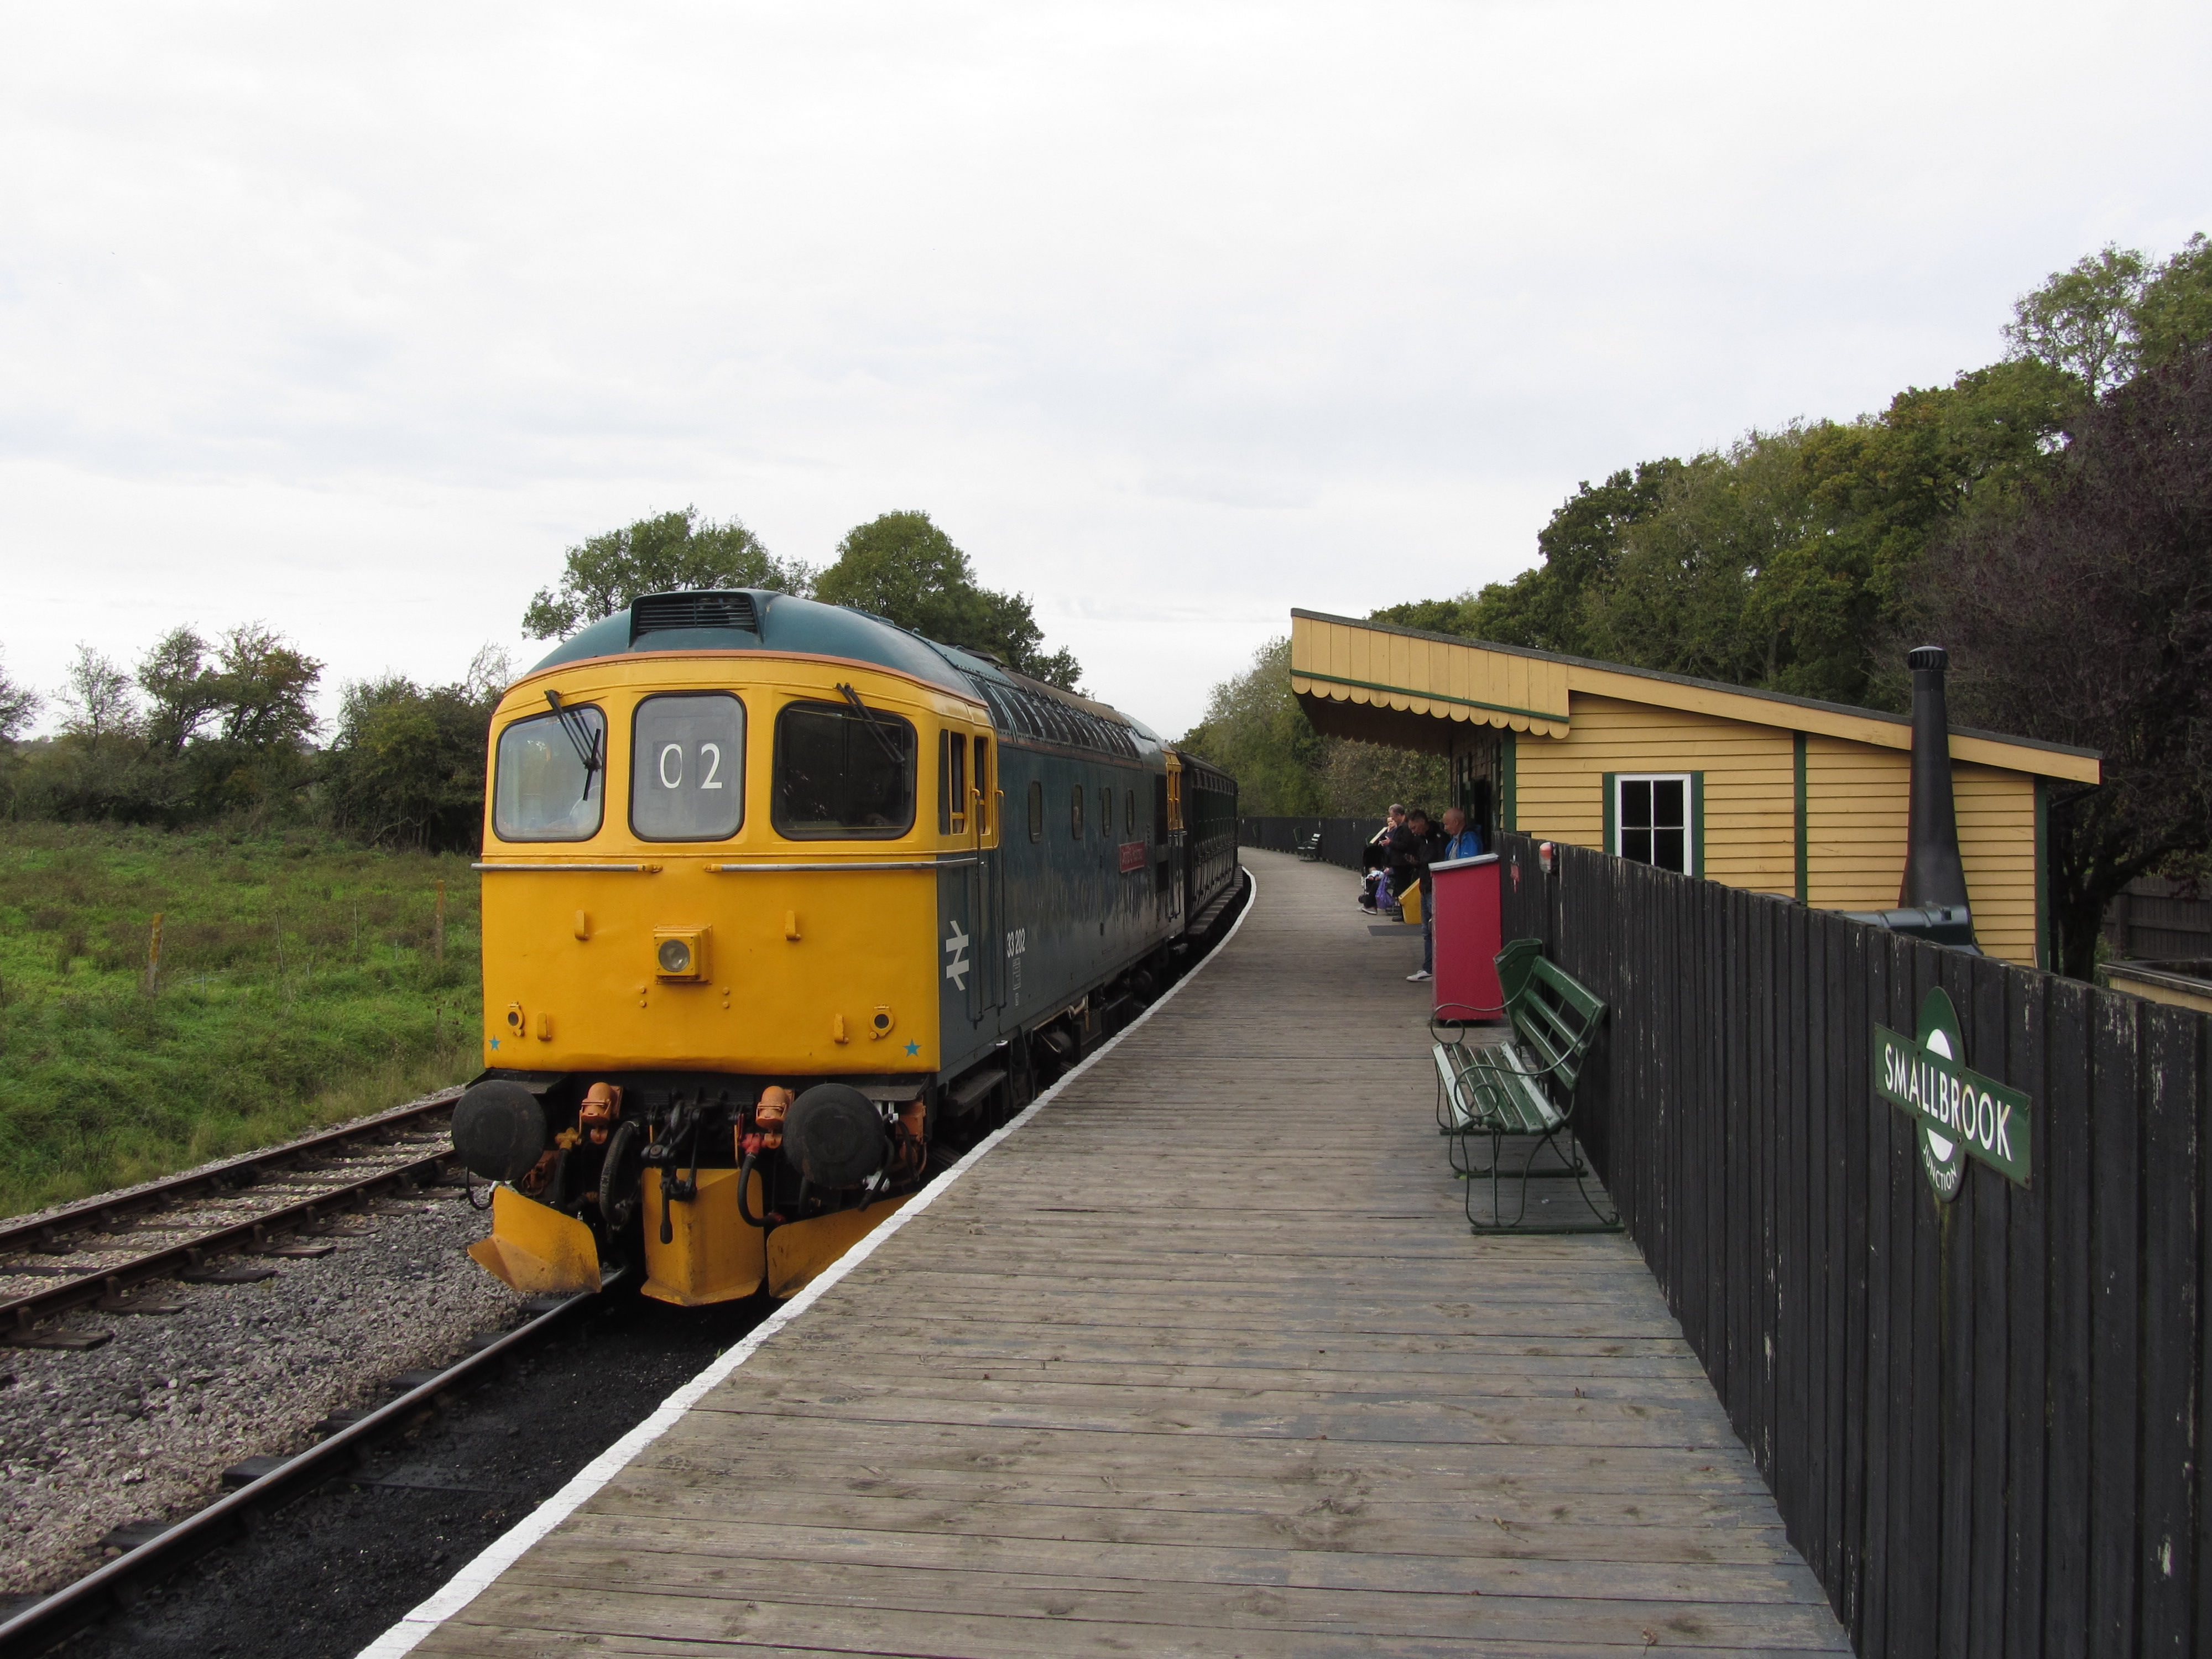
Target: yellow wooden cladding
1347, 663
1856, 807
1574, 721
1337, 660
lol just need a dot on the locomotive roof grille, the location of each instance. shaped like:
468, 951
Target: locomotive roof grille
658, 612
1018, 709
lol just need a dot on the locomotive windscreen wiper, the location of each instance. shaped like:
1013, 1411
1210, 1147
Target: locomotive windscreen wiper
875, 725
579, 732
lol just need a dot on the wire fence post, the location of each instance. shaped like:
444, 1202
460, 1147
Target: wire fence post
154, 955
438, 934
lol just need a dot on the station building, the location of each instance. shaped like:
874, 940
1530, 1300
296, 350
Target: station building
1778, 794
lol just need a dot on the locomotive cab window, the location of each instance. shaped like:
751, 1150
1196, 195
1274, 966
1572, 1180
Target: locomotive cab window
982, 780
953, 785
687, 768
841, 774
543, 788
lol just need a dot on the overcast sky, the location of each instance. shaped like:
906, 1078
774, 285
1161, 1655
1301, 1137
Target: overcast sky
351, 318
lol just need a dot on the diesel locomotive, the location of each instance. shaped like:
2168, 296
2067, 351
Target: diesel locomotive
783, 907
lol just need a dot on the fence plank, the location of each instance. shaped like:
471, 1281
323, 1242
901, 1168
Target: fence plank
2115, 1152
2027, 1357
2066, 1139
2171, 1293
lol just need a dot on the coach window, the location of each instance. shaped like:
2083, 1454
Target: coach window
1652, 820
952, 784
842, 773
687, 767
549, 779
1036, 811
1075, 812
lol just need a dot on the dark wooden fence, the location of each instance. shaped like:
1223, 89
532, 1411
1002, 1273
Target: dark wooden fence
1985, 1422
1341, 838
2151, 921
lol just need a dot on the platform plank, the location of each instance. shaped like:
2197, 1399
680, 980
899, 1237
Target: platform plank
1202, 1361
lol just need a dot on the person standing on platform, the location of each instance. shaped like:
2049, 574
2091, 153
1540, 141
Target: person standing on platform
1414, 850
1459, 841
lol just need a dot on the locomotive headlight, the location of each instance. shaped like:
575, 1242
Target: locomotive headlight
680, 952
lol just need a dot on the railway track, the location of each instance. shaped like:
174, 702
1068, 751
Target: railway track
224, 1224
275, 1482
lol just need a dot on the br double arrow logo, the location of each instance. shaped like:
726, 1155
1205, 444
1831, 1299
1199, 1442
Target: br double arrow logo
956, 948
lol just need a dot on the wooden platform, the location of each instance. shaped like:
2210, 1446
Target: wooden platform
1202, 1360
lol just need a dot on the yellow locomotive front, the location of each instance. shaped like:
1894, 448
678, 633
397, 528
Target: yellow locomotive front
717, 859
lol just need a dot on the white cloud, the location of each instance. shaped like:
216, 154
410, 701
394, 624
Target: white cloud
351, 318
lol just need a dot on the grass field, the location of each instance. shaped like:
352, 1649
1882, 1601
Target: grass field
299, 983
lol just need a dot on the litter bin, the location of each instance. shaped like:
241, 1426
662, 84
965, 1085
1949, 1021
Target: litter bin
1469, 928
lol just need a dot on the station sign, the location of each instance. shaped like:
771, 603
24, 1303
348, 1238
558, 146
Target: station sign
1960, 1113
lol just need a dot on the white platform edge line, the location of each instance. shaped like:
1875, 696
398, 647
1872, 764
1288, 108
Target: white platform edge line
478, 1576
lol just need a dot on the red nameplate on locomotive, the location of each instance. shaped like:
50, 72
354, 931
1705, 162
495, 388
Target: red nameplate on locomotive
1132, 856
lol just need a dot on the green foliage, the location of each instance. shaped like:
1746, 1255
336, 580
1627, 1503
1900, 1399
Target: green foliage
230, 736
903, 568
668, 553
1362, 780
1255, 730
1786, 562
407, 767
299, 985
2081, 321
19, 706
2175, 311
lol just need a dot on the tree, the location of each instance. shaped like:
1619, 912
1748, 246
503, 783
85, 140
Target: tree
1546, 608
261, 690
2175, 311
903, 568
97, 697
407, 766
1255, 730
668, 553
175, 676
19, 706
2082, 320
2088, 620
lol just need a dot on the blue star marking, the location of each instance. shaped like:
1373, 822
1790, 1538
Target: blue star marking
495, 1042
913, 1048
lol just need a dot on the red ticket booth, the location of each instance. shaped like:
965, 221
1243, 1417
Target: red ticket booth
1469, 927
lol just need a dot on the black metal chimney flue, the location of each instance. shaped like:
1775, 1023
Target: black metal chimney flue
1934, 874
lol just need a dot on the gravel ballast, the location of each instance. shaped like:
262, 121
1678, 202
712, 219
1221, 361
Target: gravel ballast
144, 1427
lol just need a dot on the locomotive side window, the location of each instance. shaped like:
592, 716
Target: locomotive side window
1075, 812
841, 775
1106, 812
1132, 805
983, 785
953, 785
687, 767
542, 790
1036, 811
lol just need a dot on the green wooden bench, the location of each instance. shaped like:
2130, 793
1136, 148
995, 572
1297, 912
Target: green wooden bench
1310, 847
1523, 1088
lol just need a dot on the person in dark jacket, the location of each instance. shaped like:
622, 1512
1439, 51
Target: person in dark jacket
1412, 851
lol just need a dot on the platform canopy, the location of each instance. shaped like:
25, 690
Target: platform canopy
1414, 690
